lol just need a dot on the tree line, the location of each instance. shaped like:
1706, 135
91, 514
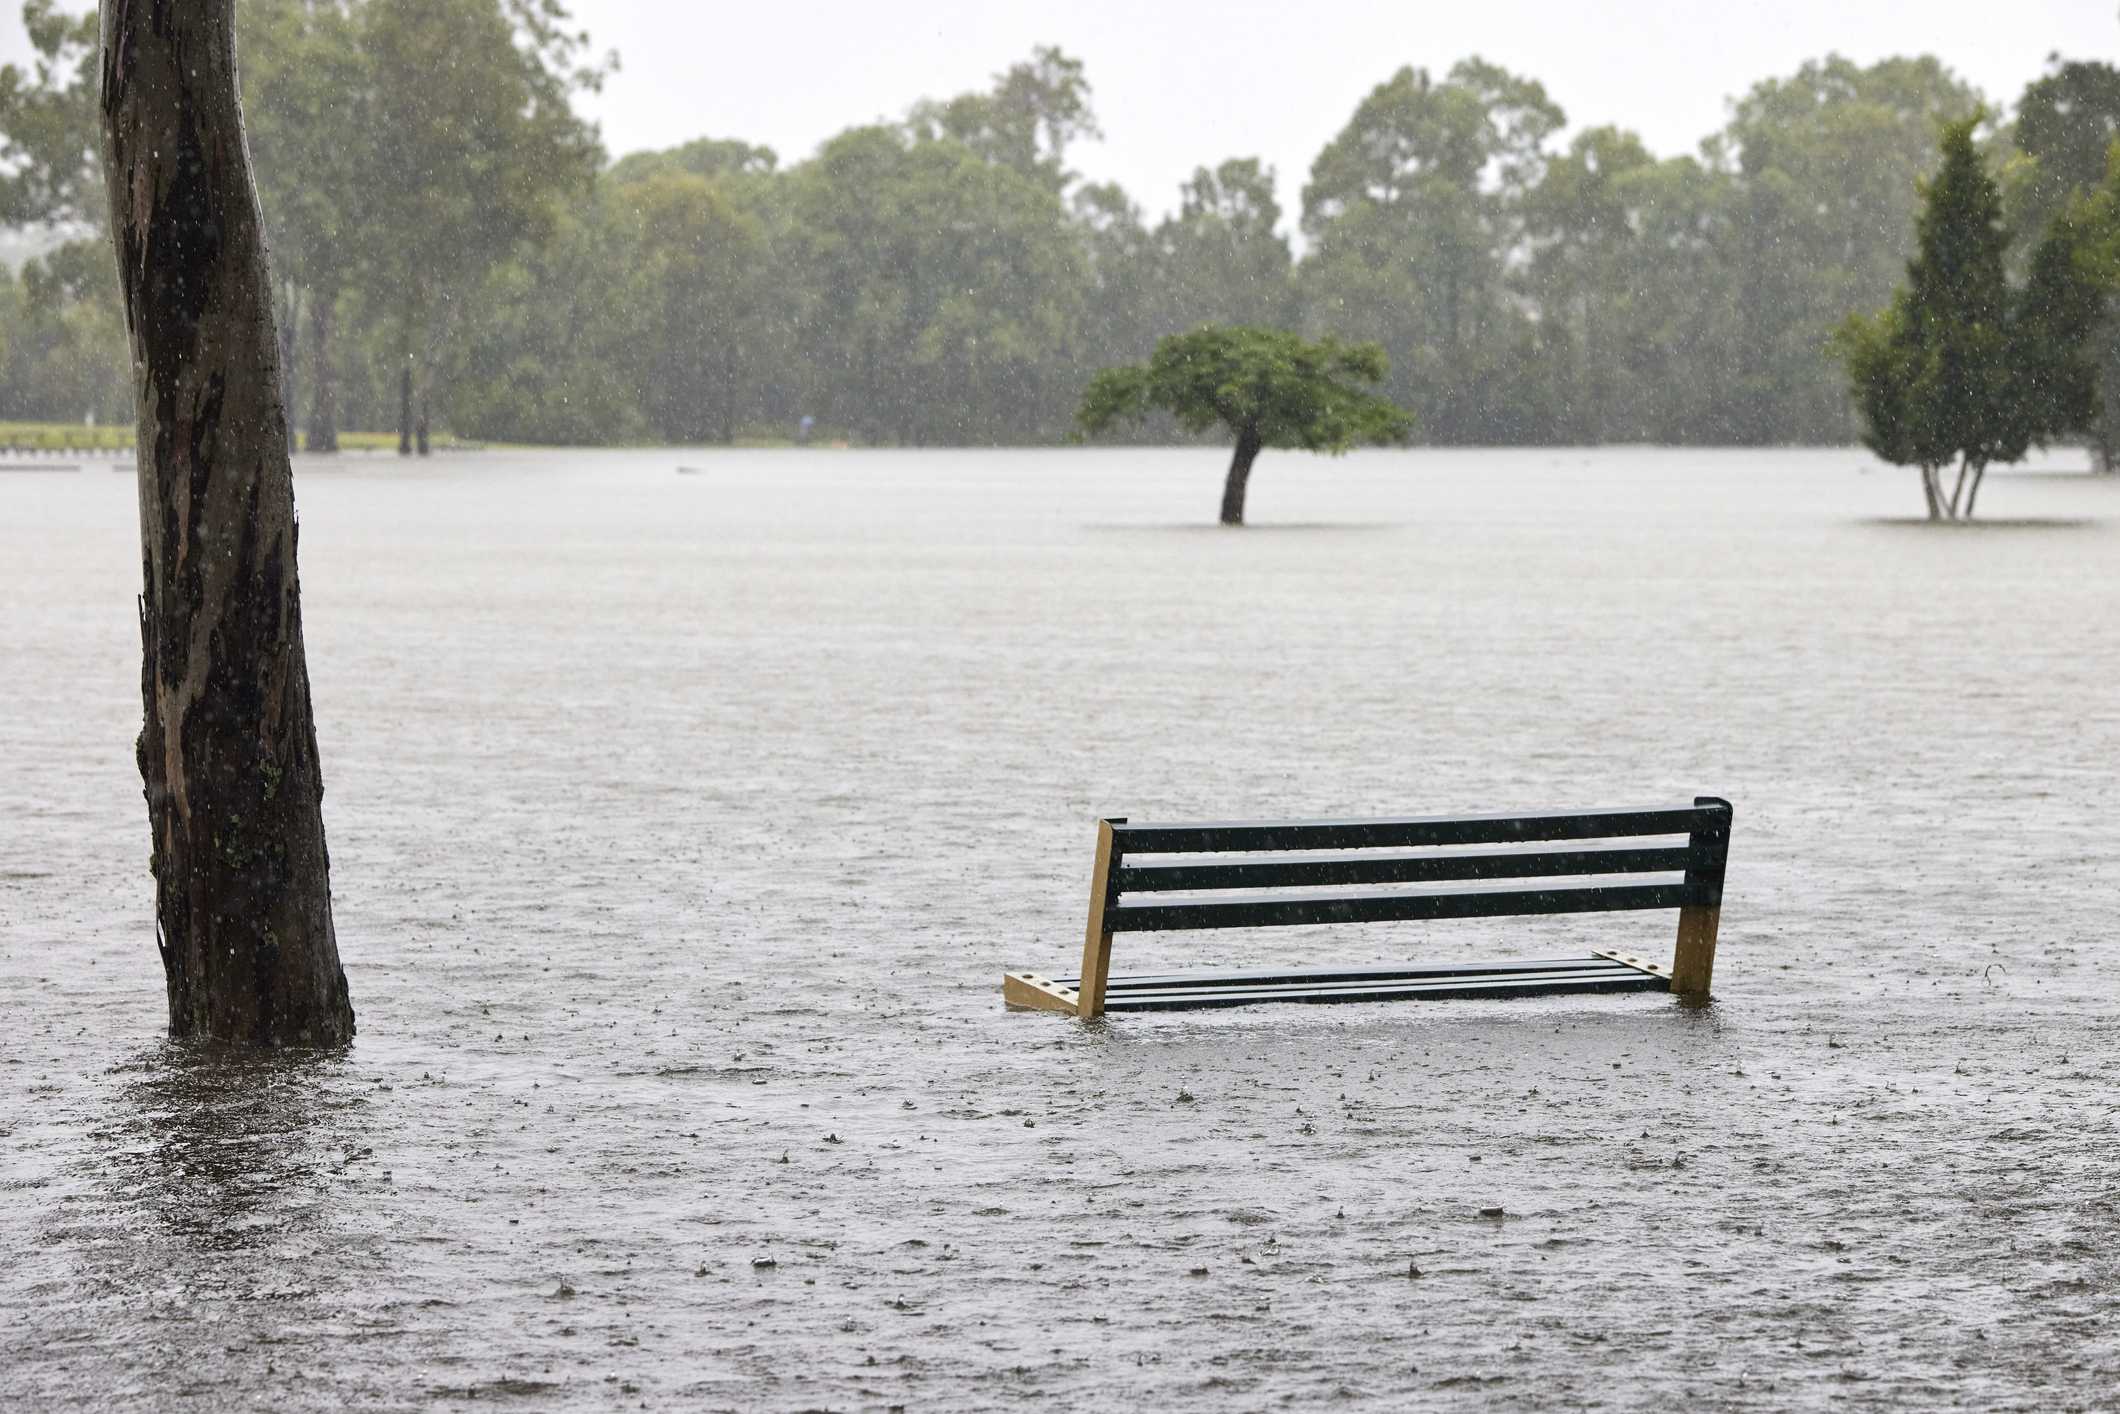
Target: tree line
455, 246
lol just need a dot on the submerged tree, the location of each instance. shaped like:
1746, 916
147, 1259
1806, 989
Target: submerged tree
1222, 259
1026, 123
2092, 219
301, 67
2066, 122
1268, 387
702, 256
228, 754
1824, 167
1960, 369
459, 167
48, 124
1415, 215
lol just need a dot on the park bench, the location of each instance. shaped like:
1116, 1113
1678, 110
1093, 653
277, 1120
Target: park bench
1151, 878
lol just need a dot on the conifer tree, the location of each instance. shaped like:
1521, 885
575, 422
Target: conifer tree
1958, 369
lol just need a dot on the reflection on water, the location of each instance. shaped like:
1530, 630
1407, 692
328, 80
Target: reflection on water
192, 1233
224, 1152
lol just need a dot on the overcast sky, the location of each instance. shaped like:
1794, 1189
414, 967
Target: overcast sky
1181, 83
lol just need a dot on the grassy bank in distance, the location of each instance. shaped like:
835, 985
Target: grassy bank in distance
63, 437
22, 437
388, 442
77, 437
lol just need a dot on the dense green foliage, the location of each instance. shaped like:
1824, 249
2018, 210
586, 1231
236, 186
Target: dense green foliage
2066, 123
1276, 387
1960, 368
48, 123
2091, 221
949, 279
392, 193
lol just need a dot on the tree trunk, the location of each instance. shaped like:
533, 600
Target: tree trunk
1930, 493
287, 363
2105, 427
324, 394
728, 394
1973, 495
1239, 475
419, 428
1958, 490
405, 410
228, 754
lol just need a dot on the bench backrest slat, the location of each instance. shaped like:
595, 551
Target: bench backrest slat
1410, 832
1396, 866
1465, 901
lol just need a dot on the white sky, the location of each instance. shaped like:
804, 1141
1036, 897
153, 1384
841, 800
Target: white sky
1182, 83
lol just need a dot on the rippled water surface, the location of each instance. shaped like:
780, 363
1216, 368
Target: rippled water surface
683, 824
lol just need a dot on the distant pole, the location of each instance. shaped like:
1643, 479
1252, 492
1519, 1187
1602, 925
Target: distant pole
228, 753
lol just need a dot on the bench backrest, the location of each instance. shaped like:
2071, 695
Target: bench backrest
1248, 875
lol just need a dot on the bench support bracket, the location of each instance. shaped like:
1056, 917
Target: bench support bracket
1639, 964
1026, 991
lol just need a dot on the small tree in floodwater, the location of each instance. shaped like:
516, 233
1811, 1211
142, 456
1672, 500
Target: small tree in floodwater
1959, 368
1269, 388
229, 751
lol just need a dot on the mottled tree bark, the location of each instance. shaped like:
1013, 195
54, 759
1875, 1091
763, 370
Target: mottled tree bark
228, 755
1239, 475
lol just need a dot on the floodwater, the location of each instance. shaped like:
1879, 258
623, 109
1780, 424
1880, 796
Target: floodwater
683, 824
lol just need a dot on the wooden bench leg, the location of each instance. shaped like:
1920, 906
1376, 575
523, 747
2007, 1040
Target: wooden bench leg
1708, 853
1693, 962
1097, 941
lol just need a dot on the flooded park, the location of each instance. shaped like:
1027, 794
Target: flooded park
686, 808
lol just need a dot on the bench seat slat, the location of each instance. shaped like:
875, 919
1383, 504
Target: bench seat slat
1379, 972
1586, 973
1589, 980
1410, 831
1396, 867
1473, 901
